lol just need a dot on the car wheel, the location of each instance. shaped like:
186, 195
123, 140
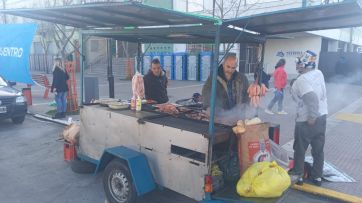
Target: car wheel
18, 120
83, 167
118, 184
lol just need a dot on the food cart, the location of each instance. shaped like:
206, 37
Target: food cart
139, 150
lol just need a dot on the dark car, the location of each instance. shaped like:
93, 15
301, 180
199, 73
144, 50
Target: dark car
12, 103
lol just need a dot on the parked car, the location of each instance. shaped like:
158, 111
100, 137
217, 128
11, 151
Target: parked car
12, 103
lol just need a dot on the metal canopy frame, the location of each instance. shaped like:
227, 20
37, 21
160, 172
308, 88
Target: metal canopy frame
111, 15
195, 34
344, 14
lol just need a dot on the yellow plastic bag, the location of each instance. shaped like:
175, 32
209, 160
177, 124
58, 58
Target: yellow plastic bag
263, 179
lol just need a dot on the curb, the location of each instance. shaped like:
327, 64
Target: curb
58, 121
327, 193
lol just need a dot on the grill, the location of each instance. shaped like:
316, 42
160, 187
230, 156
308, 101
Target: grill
6, 100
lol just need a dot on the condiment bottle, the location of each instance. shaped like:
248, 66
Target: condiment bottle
133, 103
138, 104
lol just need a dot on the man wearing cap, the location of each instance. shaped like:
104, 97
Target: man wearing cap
309, 91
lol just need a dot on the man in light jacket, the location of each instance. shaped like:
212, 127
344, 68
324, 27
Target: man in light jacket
309, 91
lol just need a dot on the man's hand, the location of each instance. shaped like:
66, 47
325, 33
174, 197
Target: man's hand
311, 121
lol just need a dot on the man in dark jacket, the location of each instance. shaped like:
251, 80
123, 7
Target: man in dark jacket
156, 83
231, 89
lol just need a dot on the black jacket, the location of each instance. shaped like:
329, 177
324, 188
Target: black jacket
59, 80
156, 87
228, 93
262, 76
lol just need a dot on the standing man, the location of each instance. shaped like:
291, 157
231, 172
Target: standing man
231, 89
309, 91
156, 83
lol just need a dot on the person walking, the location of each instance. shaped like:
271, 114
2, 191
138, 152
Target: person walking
280, 81
60, 87
309, 91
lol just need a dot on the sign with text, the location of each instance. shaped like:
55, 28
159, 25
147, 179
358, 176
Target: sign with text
15, 44
289, 53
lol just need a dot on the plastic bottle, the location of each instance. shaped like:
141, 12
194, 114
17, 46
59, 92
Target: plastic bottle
138, 104
133, 103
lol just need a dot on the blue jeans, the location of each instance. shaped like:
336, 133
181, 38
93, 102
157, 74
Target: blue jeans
278, 97
61, 100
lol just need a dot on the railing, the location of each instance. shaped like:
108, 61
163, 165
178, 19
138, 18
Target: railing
123, 68
41, 62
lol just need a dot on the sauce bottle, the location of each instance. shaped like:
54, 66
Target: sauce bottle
133, 103
138, 104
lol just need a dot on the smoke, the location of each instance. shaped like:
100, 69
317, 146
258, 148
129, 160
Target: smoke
230, 117
342, 90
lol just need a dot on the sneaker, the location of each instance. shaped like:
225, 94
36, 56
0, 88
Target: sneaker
300, 181
317, 181
268, 112
282, 113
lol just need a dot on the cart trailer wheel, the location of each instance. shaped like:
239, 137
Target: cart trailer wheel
118, 184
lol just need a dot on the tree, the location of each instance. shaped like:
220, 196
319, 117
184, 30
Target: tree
61, 35
223, 9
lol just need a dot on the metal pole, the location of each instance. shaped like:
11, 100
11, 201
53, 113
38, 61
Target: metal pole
213, 8
139, 50
350, 46
109, 69
81, 68
213, 93
262, 54
304, 3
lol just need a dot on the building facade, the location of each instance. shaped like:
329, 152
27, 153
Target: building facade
286, 46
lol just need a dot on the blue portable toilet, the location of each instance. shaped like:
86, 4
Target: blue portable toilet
205, 61
146, 63
180, 63
167, 64
192, 67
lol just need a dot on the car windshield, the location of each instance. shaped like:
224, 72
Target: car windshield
2, 82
